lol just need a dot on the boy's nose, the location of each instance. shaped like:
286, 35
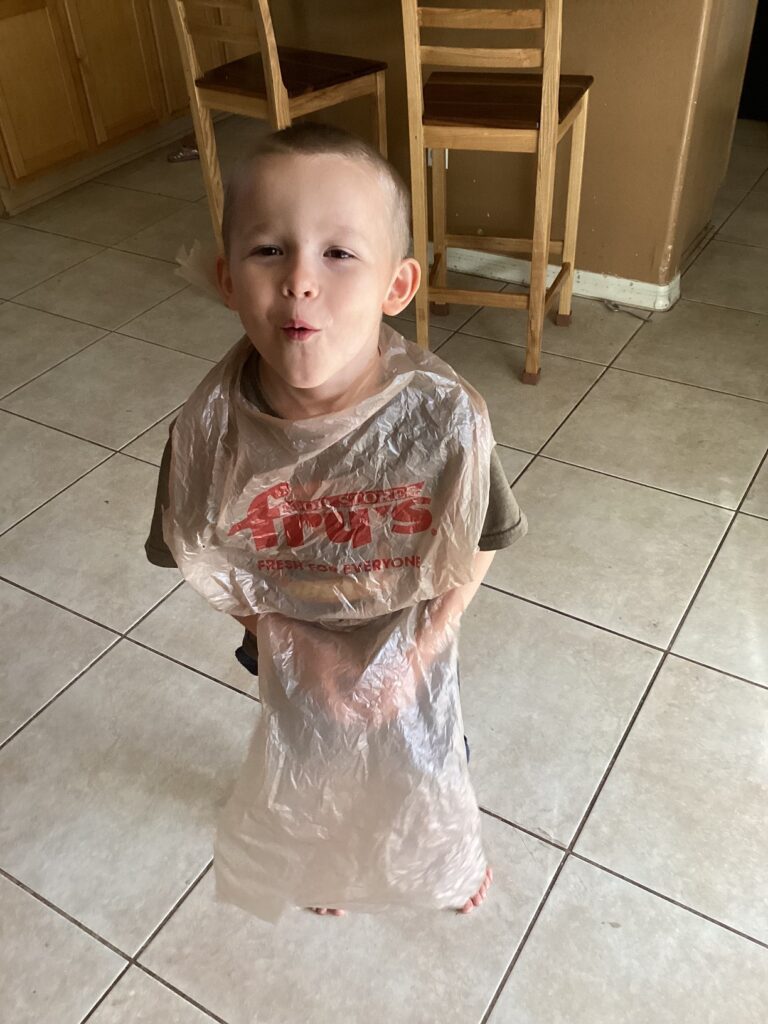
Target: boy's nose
299, 281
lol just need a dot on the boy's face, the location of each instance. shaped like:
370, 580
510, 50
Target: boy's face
311, 266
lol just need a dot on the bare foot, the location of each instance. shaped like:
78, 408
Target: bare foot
479, 896
326, 910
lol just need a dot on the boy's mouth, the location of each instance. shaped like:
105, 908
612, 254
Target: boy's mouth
298, 330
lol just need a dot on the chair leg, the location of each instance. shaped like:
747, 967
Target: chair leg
578, 135
420, 240
209, 164
439, 204
542, 224
380, 114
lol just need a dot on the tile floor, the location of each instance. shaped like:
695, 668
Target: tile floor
615, 664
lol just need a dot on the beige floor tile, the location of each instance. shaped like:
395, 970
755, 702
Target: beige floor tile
730, 275
513, 461
522, 415
694, 343
407, 328
596, 333
36, 463
189, 321
617, 554
605, 951
129, 808
749, 224
745, 167
33, 342
402, 966
28, 257
139, 999
98, 213
762, 183
85, 548
457, 315
107, 289
149, 445
190, 223
667, 435
53, 972
186, 628
683, 808
546, 700
43, 648
726, 201
728, 624
112, 391
756, 502
153, 173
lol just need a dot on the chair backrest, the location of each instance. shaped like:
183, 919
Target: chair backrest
544, 17
241, 23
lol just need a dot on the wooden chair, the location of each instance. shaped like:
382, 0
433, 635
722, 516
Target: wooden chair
501, 110
274, 84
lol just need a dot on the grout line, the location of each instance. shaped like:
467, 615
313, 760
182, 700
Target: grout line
58, 604
691, 384
27, 722
522, 828
105, 993
191, 668
58, 494
717, 551
162, 923
637, 483
670, 899
63, 913
53, 366
574, 618
521, 945
184, 995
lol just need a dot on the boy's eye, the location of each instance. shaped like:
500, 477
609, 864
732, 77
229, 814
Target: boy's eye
338, 254
266, 250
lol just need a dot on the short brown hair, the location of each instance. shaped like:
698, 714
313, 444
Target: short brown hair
310, 138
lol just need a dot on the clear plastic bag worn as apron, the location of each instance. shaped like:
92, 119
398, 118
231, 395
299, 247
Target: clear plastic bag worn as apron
343, 532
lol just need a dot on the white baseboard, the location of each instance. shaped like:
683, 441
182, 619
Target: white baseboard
622, 290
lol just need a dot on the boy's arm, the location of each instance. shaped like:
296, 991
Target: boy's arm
445, 612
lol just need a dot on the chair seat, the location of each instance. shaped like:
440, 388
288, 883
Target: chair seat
495, 100
304, 71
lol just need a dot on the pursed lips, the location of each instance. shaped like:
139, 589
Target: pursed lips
299, 330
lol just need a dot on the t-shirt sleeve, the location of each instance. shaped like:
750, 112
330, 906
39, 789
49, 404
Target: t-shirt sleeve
504, 522
157, 550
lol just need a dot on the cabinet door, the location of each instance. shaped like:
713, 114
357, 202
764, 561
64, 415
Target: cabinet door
118, 62
172, 72
41, 118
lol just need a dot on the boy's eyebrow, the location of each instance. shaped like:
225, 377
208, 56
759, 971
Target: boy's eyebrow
341, 231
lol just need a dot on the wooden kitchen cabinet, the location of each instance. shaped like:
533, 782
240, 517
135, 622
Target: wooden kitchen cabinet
42, 119
115, 49
78, 76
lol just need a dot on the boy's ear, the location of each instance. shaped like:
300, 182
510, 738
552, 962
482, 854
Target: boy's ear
224, 281
404, 286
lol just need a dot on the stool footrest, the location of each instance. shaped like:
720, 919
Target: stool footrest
554, 288
489, 243
500, 300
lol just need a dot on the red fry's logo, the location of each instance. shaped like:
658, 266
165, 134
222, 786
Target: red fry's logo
346, 518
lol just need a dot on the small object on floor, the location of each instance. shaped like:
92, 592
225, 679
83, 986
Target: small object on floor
616, 308
182, 154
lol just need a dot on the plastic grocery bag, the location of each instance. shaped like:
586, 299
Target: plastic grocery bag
343, 532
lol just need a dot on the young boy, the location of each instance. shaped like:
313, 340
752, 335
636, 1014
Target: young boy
335, 488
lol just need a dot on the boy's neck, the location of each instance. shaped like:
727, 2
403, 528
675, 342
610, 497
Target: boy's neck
292, 403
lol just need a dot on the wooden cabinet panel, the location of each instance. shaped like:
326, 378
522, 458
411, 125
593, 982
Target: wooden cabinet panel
41, 120
118, 61
172, 72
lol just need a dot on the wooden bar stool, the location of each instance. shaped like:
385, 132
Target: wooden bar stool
501, 111
274, 84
